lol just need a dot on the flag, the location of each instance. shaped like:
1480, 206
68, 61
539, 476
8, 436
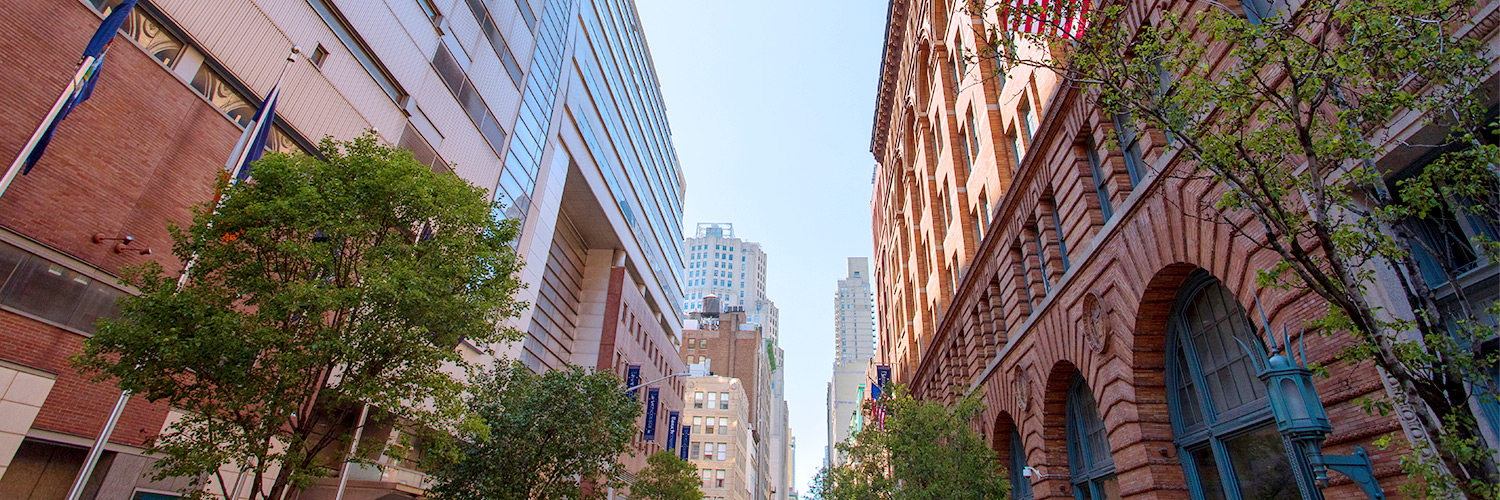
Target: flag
252, 143
82, 86
1063, 18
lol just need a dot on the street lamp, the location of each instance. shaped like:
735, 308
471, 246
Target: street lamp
655, 380
1300, 415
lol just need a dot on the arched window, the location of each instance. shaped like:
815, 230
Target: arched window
1020, 485
1089, 460
1221, 419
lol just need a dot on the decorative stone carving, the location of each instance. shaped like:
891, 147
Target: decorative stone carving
1095, 320
1020, 385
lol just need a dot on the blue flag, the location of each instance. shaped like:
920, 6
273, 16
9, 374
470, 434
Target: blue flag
93, 57
252, 143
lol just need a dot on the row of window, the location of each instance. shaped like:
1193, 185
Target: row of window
709, 451
712, 478
49, 291
715, 399
709, 426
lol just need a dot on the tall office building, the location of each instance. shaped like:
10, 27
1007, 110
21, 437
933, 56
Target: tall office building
854, 345
732, 269
552, 105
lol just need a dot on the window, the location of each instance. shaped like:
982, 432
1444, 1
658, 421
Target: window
1028, 123
319, 54
723, 425
708, 451
698, 400
723, 401
723, 449
1256, 11
1015, 150
1221, 418
1057, 230
1101, 184
52, 292
1130, 145
710, 427
719, 474
1020, 485
694, 451
697, 425
1089, 460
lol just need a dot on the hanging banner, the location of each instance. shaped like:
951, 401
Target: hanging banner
632, 379
672, 430
882, 379
653, 398
687, 431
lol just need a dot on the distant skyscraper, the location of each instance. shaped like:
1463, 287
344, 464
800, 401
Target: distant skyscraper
854, 345
720, 264
854, 317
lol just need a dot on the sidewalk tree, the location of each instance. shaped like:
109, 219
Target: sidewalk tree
315, 287
922, 450
667, 477
1285, 113
555, 435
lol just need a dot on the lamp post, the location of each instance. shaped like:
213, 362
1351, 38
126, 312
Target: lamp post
1301, 417
655, 380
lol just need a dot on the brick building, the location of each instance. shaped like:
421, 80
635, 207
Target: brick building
730, 347
552, 105
1086, 295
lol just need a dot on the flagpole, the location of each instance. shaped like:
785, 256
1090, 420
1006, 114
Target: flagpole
62, 99
97, 449
242, 150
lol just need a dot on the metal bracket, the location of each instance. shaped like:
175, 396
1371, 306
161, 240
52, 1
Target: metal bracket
1359, 468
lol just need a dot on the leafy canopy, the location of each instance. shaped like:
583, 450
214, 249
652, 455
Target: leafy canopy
318, 285
543, 436
667, 477
922, 451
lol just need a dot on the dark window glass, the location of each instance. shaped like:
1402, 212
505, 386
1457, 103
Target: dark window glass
1130, 145
1101, 184
1020, 485
1090, 461
1260, 464
49, 291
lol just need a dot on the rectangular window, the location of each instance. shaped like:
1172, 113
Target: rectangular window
708, 451
698, 399
1062, 246
1130, 145
697, 425
723, 401
694, 451
709, 426
1015, 150
723, 449
497, 41
719, 474
1101, 184
54, 293
723, 425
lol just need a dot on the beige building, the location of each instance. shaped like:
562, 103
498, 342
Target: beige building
721, 443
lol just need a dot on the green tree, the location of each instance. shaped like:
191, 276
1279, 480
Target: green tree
1279, 112
923, 450
543, 436
318, 286
667, 477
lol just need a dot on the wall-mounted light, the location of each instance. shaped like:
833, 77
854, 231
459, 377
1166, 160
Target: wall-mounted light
1300, 415
122, 244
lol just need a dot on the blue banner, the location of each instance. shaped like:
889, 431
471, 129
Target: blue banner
653, 399
632, 379
672, 430
687, 432
882, 378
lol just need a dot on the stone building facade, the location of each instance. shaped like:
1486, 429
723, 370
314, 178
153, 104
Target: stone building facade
1096, 308
722, 446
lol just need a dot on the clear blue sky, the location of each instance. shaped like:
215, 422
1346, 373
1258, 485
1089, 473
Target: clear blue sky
770, 103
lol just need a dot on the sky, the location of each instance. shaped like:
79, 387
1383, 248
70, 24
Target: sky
770, 104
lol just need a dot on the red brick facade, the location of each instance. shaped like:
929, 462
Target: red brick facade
1020, 323
127, 162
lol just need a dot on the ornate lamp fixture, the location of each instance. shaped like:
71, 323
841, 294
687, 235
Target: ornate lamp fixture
1300, 415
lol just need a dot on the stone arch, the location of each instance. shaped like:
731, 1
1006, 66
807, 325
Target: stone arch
1053, 462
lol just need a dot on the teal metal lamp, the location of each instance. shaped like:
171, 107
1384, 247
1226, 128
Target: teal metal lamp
1301, 417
